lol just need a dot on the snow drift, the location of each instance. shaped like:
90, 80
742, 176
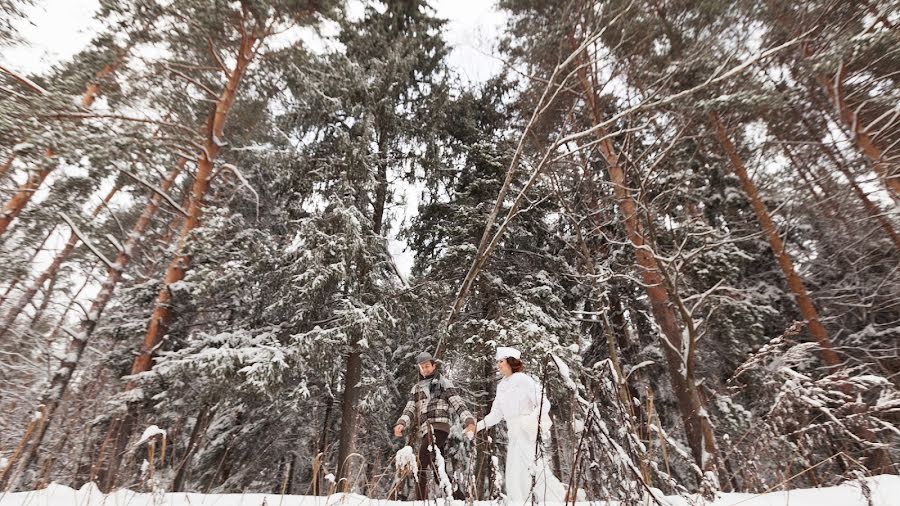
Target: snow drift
877, 491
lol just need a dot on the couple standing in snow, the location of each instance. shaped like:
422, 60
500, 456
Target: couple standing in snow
520, 401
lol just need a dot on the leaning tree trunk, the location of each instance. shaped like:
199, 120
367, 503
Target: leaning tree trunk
61, 378
18, 279
879, 458
872, 209
50, 272
4, 168
26, 190
886, 171
179, 265
697, 425
804, 301
120, 427
23, 194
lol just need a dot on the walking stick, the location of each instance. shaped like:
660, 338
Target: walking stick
538, 447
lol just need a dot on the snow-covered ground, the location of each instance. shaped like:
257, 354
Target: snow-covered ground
881, 491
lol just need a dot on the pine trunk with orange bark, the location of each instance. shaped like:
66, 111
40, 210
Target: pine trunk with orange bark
834, 89
801, 296
179, 265
59, 382
23, 194
50, 272
697, 425
871, 208
120, 428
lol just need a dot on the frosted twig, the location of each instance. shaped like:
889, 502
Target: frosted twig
24, 80
234, 170
157, 191
115, 243
714, 79
88, 243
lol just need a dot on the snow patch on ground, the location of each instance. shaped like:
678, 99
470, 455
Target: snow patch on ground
884, 489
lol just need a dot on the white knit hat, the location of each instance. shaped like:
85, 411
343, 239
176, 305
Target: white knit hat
504, 352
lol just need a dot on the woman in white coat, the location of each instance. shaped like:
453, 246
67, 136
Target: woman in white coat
518, 401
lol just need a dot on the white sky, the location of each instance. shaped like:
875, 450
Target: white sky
57, 29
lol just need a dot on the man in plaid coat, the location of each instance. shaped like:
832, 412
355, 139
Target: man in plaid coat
431, 401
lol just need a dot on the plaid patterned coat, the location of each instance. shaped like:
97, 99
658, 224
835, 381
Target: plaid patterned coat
434, 398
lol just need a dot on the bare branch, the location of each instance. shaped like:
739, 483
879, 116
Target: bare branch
212, 51
31, 85
234, 170
157, 191
193, 81
87, 242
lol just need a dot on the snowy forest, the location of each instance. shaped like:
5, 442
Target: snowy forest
684, 213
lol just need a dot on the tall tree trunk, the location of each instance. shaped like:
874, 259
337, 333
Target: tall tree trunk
834, 89
18, 279
804, 302
349, 412
162, 312
50, 272
26, 190
23, 195
177, 267
59, 382
200, 426
350, 396
697, 425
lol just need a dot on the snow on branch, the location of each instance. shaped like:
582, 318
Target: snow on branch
234, 170
115, 243
151, 432
24, 80
157, 191
85, 115
82, 238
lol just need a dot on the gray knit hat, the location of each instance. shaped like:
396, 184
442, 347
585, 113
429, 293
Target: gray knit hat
424, 357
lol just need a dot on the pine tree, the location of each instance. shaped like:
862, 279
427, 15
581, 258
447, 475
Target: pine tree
241, 30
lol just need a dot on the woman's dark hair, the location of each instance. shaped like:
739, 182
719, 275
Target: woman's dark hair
515, 364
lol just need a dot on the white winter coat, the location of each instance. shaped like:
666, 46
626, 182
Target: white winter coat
517, 395
526, 474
